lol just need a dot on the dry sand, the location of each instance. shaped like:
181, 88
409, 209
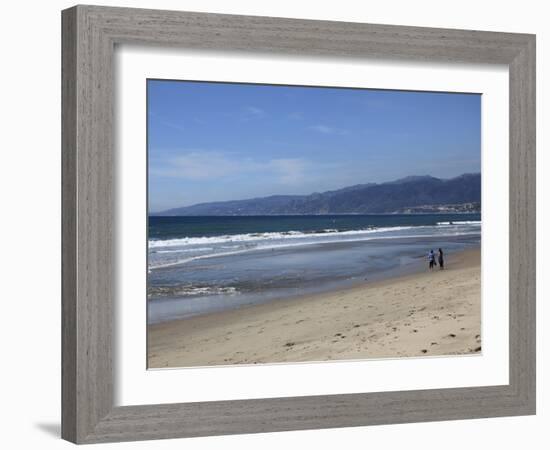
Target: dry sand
429, 314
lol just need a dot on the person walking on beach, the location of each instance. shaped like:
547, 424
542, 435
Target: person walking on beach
440, 258
431, 259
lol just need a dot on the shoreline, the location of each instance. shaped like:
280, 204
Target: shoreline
416, 314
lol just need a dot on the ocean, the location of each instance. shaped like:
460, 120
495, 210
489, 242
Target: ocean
199, 265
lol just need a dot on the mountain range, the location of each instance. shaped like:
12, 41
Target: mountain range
410, 194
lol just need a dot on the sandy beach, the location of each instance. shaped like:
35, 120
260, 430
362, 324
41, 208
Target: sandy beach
423, 314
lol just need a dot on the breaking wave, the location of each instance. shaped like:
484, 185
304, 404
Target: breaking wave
174, 252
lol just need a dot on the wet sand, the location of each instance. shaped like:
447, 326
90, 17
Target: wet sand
423, 314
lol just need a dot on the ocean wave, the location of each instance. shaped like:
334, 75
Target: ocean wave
461, 222
251, 237
190, 291
280, 246
185, 250
162, 265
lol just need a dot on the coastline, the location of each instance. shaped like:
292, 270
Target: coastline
420, 314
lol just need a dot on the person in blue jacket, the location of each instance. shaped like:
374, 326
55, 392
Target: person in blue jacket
431, 259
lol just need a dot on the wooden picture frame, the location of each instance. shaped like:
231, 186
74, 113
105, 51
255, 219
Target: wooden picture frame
90, 34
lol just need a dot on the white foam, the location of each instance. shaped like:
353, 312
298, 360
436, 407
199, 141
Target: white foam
184, 250
188, 291
462, 222
154, 266
251, 237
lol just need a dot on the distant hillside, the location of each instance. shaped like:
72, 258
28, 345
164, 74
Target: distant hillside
410, 194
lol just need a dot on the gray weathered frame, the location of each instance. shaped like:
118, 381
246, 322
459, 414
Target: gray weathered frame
89, 36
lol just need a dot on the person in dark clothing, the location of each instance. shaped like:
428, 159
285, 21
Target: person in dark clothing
431, 259
440, 259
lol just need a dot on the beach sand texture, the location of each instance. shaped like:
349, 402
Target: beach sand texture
424, 314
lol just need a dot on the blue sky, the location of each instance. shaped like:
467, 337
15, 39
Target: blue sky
220, 141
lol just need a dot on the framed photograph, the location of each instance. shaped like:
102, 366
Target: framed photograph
278, 224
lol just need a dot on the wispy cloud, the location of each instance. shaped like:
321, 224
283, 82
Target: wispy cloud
167, 123
254, 111
198, 165
296, 115
325, 129
289, 171
195, 165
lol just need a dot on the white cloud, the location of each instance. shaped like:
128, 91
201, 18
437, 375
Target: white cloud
167, 123
289, 171
296, 116
197, 165
325, 129
254, 111
209, 165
